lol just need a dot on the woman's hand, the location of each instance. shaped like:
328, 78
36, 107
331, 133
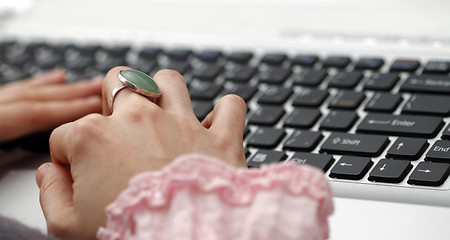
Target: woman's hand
44, 102
94, 157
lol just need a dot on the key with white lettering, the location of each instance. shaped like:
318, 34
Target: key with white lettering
353, 168
427, 83
430, 174
439, 152
321, 161
391, 171
355, 144
407, 148
265, 157
401, 125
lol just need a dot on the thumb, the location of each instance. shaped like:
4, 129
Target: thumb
55, 195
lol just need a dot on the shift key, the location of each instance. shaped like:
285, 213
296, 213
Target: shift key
355, 144
401, 125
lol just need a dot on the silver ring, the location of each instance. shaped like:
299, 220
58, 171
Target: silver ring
138, 82
114, 92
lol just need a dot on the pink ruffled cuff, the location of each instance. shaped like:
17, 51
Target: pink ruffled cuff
200, 197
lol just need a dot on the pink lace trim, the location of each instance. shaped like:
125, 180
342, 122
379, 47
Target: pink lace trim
199, 175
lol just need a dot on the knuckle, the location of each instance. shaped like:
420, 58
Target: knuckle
168, 73
142, 111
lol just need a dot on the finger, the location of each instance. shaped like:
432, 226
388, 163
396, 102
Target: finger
228, 117
125, 99
55, 192
19, 119
59, 92
60, 143
175, 95
50, 77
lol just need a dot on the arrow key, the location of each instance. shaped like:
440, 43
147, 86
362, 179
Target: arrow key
353, 168
407, 148
391, 171
430, 174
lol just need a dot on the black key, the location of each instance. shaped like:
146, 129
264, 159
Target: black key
302, 140
204, 90
428, 105
275, 75
446, 132
345, 79
207, 71
265, 157
240, 57
309, 97
246, 92
310, 77
181, 67
405, 65
302, 118
305, 60
117, 51
105, 64
202, 108
246, 131
78, 62
382, 81
347, 100
47, 57
146, 65
209, 55
150, 52
17, 55
275, 95
390, 171
439, 67
247, 153
407, 148
90, 49
266, 137
274, 58
179, 54
439, 152
12, 73
369, 63
401, 125
336, 62
339, 120
353, 168
320, 161
427, 83
355, 144
383, 102
430, 174
240, 73
266, 115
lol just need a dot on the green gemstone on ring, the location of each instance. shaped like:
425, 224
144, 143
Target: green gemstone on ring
140, 80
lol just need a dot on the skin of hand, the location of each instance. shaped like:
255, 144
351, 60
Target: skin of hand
94, 157
44, 102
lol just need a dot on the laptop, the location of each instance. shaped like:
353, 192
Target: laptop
358, 89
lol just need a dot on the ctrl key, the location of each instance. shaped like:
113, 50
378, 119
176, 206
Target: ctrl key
430, 174
265, 157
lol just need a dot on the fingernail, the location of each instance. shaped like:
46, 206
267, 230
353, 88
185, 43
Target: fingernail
41, 171
51, 74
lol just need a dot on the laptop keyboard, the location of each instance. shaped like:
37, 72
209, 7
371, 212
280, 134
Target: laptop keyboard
366, 119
